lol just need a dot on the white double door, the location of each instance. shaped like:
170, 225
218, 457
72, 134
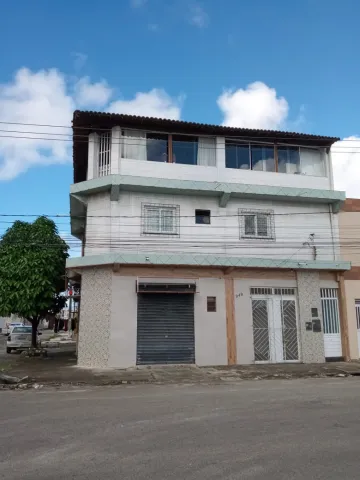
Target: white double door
275, 329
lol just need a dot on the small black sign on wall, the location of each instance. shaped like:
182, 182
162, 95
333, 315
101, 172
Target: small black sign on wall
314, 313
316, 325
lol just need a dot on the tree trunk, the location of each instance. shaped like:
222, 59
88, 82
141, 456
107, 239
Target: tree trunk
34, 324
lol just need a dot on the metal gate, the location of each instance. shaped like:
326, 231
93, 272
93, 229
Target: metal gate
330, 312
275, 325
357, 311
165, 328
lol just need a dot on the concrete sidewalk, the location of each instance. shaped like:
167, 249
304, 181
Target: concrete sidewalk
61, 368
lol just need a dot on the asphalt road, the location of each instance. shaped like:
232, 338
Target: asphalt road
298, 429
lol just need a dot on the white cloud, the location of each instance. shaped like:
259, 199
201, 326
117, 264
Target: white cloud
49, 97
156, 103
80, 60
256, 106
137, 3
198, 16
89, 94
346, 165
37, 98
153, 27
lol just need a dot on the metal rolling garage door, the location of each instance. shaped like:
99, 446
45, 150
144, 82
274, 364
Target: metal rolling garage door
165, 328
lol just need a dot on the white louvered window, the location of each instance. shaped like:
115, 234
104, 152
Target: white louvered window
160, 219
104, 154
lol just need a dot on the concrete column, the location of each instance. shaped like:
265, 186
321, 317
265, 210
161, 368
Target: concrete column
115, 150
311, 343
93, 152
123, 323
94, 326
344, 327
329, 169
220, 153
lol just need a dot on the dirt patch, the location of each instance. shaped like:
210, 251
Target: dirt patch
60, 369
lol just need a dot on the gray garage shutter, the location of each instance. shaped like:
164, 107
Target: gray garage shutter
165, 328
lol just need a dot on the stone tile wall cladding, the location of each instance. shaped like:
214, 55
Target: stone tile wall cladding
312, 343
95, 313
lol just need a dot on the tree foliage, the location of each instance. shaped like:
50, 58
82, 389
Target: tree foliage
32, 269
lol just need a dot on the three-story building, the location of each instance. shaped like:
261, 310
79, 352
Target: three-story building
204, 244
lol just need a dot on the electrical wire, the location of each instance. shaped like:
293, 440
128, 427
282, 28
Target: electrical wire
287, 135
61, 215
85, 141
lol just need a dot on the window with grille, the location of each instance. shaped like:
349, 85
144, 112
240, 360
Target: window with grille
160, 219
257, 224
272, 291
104, 154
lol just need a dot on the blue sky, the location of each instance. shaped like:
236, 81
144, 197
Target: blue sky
279, 64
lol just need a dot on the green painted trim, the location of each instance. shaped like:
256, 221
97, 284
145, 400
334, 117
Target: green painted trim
202, 260
165, 185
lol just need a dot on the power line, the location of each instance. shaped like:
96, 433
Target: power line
85, 141
61, 215
242, 242
86, 136
247, 138
287, 135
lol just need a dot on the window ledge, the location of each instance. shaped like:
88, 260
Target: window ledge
254, 237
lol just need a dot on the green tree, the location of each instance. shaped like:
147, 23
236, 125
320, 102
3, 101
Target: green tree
32, 269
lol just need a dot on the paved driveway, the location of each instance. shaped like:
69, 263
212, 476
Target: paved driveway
268, 430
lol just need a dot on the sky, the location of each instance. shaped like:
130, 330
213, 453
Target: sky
280, 64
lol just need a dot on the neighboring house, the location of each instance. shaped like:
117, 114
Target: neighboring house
349, 226
204, 244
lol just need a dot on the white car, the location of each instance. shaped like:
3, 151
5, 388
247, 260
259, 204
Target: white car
19, 338
10, 325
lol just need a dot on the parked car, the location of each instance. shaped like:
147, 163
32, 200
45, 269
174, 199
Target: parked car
10, 325
19, 338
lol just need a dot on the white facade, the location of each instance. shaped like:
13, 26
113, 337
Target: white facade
119, 225
230, 223
293, 223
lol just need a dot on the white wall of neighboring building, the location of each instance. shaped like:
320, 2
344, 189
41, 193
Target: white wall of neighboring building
293, 223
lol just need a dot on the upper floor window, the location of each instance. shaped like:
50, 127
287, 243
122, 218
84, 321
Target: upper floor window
160, 219
185, 149
159, 147
301, 160
246, 157
257, 224
312, 162
104, 154
288, 159
156, 148
282, 159
202, 217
